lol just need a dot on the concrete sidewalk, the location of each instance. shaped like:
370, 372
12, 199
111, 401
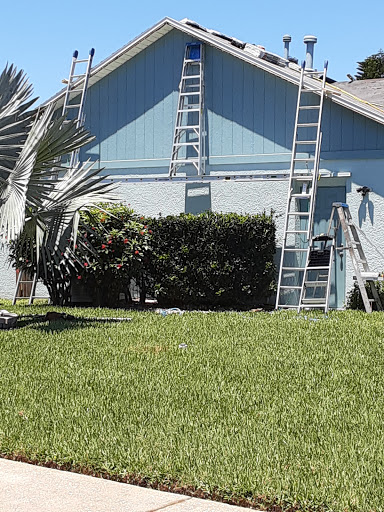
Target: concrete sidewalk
28, 488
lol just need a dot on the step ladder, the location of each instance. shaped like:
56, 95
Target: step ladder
25, 281
189, 136
318, 272
304, 175
76, 93
359, 261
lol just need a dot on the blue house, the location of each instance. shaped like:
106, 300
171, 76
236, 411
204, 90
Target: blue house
250, 102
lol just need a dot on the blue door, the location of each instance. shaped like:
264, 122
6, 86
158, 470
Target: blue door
325, 197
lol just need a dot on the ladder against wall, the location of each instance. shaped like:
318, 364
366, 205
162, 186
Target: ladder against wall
188, 146
74, 102
304, 173
76, 93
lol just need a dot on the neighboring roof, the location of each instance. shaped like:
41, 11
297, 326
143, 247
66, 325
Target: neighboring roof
368, 90
253, 54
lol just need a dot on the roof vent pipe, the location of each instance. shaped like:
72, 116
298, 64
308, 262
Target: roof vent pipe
286, 40
310, 42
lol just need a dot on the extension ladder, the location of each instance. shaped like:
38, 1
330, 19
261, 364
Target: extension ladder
189, 136
77, 85
304, 175
360, 265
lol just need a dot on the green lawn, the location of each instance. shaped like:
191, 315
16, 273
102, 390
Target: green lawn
273, 407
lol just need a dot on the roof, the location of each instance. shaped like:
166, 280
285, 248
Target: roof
368, 90
253, 54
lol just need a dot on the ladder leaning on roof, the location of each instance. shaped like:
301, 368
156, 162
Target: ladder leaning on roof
77, 86
302, 188
189, 136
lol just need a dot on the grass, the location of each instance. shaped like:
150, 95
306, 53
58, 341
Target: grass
274, 408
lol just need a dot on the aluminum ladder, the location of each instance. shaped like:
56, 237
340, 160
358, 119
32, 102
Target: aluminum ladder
24, 279
77, 86
359, 261
304, 175
74, 100
189, 135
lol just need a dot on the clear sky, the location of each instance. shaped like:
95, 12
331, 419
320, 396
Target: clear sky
39, 36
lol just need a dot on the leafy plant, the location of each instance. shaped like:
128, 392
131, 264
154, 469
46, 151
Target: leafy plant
371, 67
40, 199
354, 300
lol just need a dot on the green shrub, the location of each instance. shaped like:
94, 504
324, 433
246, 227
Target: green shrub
207, 260
212, 259
354, 300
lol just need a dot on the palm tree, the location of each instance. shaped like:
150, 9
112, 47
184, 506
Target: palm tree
40, 199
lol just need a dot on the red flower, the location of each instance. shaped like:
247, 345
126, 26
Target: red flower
141, 218
103, 246
150, 231
75, 246
93, 229
145, 227
26, 261
85, 264
102, 219
141, 232
109, 241
126, 240
78, 277
136, 252
119, 266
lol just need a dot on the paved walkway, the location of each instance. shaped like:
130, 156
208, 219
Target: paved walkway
28, 488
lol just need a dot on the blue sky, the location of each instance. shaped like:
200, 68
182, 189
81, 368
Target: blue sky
40, 36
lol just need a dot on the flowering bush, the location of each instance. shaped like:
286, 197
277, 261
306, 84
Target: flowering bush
113, 243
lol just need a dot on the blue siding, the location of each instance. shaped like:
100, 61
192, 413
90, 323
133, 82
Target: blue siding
249, 113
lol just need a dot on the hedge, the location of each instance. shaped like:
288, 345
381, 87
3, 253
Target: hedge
209, 260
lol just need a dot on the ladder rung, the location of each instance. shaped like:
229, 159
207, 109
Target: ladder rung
317, 268
187, 143
290, 287
309, 107
81, 60
294, 249
191, 127
316, 283
293, 268
303, 178
191, 61
309, 159
320, 302
72, 106
301, 196
192, 93
186, 77
189, 110
306, 125
303, 214
311, 142
184, 161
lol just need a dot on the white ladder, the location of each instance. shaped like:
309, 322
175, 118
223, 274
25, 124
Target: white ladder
189, 136
304, 175
77, 86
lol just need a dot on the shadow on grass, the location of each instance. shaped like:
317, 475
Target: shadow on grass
76, 323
